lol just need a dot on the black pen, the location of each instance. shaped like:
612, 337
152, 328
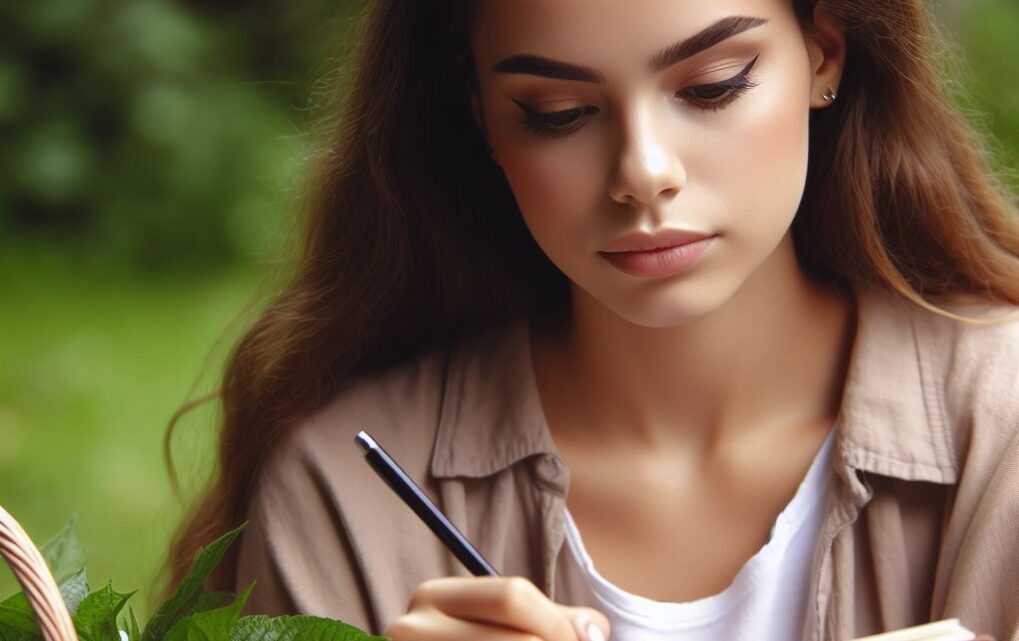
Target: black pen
397, 479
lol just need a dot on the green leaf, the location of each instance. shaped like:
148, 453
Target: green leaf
96, 619
211, 625
8, 634
64, 553
12, 634
17, 602
74, 590
65, 557
189, 593
210, 601
17, 622
130, 625
297, 628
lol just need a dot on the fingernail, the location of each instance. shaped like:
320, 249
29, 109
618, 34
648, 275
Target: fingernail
594, 633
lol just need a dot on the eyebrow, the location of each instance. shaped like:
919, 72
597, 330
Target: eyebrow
705, 39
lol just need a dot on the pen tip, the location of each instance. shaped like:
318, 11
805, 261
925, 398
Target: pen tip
366, 442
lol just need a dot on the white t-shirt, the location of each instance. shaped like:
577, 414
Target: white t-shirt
765, 602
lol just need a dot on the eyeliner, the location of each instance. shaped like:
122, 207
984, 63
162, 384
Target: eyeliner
406, 489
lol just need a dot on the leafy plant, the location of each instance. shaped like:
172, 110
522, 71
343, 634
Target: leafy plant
191, 613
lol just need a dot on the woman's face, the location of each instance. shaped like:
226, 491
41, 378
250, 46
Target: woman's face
671, 125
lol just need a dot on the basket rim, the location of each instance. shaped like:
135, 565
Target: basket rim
36, 579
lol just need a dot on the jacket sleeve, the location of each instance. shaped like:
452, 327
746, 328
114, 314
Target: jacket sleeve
984, 591
296, 551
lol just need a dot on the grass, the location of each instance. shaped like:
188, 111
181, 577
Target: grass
92, 365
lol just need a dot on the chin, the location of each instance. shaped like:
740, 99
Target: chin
661, 306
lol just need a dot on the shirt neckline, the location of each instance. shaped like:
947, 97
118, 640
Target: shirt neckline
672, 616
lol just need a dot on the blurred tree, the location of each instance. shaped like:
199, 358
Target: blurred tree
286, 43
132, 130
988, 29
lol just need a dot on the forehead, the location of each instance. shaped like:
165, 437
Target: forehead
601, 31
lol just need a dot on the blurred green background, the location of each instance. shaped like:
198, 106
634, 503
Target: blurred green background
151, 156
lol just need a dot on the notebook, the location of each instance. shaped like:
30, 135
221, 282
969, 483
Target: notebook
947, 630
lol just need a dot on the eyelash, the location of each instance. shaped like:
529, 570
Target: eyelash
545, 124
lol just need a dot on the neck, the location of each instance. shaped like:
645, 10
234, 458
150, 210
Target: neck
772, 358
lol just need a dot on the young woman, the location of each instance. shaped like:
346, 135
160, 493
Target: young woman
692, 315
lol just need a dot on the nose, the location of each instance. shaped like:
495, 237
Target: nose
646, 168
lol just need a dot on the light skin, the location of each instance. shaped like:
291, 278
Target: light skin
680, 383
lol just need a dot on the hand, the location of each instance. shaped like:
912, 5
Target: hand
493, 609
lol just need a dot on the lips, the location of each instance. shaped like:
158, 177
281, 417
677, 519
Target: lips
662, 239
665, 253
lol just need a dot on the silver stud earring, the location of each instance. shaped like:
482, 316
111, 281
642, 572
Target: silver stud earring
829, 96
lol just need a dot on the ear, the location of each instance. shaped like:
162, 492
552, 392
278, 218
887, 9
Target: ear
826, 46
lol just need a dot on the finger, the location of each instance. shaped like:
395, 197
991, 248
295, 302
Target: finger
512, 602
430, 624
588, 624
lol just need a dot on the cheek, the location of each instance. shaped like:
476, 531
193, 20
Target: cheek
779, 145
556, 185
756, 168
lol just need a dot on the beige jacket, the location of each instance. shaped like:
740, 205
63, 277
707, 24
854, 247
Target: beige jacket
922, 514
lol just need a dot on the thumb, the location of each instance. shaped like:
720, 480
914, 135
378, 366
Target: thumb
589, 624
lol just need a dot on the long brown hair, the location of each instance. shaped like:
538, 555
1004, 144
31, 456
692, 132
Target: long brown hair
412, 233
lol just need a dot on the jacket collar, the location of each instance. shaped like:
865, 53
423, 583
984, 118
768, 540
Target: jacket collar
891, 421
491, 415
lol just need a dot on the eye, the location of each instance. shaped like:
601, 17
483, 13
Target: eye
709, 92
718, 95
553, 124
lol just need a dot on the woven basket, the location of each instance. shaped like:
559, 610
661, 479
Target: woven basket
36, 579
